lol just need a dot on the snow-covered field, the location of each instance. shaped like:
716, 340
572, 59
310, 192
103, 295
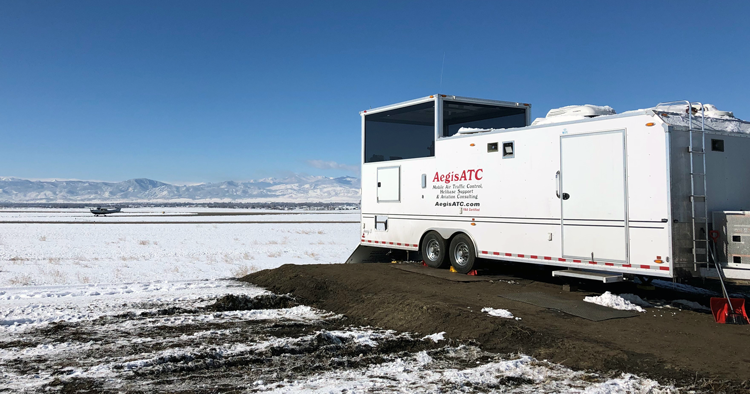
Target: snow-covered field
149, 307
106, 252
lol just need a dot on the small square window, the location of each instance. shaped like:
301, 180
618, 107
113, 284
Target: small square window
737, 259
492, 147
509, 150
736, 238
717, 145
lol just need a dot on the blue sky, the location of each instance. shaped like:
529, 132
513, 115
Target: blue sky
184, 91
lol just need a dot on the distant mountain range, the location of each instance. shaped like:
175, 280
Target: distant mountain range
296, 188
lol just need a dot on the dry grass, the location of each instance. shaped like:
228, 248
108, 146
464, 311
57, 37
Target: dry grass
312, 255
244, 270
54, 274
144, 242
17, 260
82, 278
55, 260
43, 238
247, 256
274, 254
20, 280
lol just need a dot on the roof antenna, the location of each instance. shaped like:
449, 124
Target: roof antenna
441, 74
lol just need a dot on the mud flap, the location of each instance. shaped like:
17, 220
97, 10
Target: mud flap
371, 254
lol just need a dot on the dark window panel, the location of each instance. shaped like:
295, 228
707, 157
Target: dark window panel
458, 114
403, 133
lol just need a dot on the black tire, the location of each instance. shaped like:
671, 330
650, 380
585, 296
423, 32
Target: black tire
434, 250
462, 254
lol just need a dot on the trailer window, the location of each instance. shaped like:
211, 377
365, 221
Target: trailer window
403, 133
457, 114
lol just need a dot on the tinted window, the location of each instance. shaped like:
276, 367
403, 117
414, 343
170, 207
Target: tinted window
403, 133
457, 115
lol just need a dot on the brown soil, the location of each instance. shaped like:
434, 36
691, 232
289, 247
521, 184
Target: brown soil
672, 346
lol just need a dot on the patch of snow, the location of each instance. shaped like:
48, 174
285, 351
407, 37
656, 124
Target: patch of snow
613, 301
574, 112
471, 130
504, 313
418, 373
437, 337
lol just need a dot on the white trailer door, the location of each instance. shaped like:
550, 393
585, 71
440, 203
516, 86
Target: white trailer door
389, 184
593, 195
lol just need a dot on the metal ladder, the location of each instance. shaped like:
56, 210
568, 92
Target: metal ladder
698, 184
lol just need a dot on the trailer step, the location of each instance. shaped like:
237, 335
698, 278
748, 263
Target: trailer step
697, 152
604, 277
698, 196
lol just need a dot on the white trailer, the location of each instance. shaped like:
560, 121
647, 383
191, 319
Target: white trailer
600, 194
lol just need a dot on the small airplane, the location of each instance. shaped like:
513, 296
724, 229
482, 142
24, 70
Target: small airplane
104, 211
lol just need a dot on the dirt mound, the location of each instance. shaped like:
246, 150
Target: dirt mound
669, 345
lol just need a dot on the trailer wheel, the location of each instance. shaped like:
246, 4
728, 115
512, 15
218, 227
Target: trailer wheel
462, 254
433, 250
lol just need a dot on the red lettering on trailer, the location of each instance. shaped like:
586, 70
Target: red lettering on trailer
458, 177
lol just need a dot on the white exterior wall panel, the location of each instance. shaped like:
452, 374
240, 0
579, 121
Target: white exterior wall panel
518, 216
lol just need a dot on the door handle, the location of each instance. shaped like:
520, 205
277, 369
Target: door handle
378, 184
565, 196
